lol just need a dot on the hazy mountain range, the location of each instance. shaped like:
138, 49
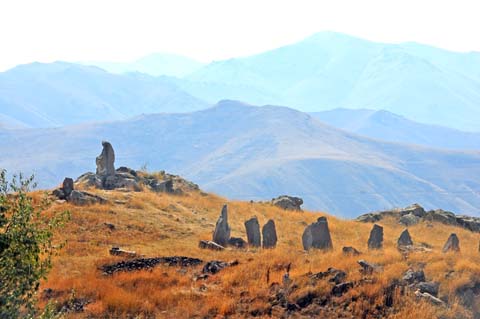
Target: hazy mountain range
56, 94
384, 125
248, 152
154, 64
332, 70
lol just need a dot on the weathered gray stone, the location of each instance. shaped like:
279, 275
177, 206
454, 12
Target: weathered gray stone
409, 219
414, 209
317, 235
269, 234
430, 287
237, 242
207, 244
375, 241
452, 244
105, 161
221, 235
412, 276
83, 198
405, 239
441, 216
67, 186
288, 202
252, 228
428, 297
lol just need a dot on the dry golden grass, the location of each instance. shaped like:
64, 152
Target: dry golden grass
155, 224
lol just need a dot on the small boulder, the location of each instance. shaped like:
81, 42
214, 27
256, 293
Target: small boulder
81, 198
317, 235
207, 244
367, 268
405, 239
412, 276
452, 244
252, 228
269, 234
339, 289
237, 242
288, 202
350, 251
375, 241
430, 287
221, 235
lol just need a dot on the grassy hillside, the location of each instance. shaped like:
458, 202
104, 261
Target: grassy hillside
154, 225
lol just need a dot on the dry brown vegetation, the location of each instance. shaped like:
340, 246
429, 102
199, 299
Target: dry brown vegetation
155, 224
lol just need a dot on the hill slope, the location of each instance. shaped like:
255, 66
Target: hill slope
392, 127
330, 70
162, 225
248, 152
45, 95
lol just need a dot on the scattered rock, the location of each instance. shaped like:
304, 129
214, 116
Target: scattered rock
411, 276
207, 244
147, 263
237, 242
116, 251
375, 241
339, 289
84, 198
430, 287
350, 251
269, 234
367, 268
252, 228
334, 275
429, 298
214, 266
405, 239
317, 235
452, 244
221, 235
288, 202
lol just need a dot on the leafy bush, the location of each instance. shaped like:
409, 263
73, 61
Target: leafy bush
26, 247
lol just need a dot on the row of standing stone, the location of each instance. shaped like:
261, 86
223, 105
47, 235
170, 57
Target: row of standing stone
315, 235
221, 235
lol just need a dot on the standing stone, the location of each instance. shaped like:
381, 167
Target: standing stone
452, 244
317, 235
405, 239
269, 234
67, 186
375, 241
253, 232
221, 235
106, 160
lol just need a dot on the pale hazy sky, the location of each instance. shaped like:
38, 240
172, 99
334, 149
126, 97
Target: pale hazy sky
116, 30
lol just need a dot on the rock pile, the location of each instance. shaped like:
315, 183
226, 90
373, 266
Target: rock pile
288, 202
317, 235
76, 197
415, 213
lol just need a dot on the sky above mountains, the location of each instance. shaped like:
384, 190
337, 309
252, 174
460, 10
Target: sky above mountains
209, 30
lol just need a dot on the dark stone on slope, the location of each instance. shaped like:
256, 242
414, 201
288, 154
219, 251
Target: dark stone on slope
452, 244
339, 289
405, 239
412, 276
269, 234
317, 235
214, 266
350, 251
221, 234
375, 241
430, 287
207, 244
288, 202
237, 242
252, 228
147, 263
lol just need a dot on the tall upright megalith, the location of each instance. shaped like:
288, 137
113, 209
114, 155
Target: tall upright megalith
105, 161
221, 235
317, 235
269, 234
252, 228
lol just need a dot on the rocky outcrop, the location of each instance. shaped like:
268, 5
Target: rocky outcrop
317, 235
147, 263
288, 202
414, 214
252, 228
76, 197
269, 234
452, 244
221, 235
375, 241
